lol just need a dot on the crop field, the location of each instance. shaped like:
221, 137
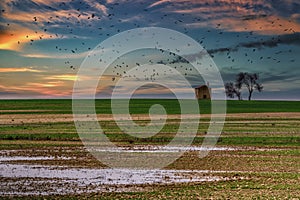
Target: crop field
257, 155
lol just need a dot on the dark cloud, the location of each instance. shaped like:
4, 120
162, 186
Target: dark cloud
151, 86
252, 17
7, 93
271, 76
286, 8
222, 50
107, 91
290, 39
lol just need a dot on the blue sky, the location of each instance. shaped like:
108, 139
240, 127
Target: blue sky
43, 42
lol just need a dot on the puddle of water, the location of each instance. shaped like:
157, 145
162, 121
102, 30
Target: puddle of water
103, 176
26, 179
26, 158
162, 149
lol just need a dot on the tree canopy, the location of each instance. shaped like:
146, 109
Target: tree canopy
250, 81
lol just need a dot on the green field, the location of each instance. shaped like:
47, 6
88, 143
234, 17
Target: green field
252, 133
255, 131
140, 106
266, 164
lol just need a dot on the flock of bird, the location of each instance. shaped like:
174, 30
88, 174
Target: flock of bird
86, 21
120, 68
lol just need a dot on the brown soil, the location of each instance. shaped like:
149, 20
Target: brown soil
46, 118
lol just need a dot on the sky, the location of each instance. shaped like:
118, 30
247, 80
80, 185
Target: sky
43, 43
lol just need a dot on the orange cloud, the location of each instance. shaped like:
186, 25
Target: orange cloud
38, 56
44, 16
23, 69
16, 38
266, 26
158, 3
45, 85
97, 5
47, 2
225, 4
57, 56
49, 89
65, 77
231, 15
35, 81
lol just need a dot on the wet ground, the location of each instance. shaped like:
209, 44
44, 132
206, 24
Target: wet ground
257, 152
21, 175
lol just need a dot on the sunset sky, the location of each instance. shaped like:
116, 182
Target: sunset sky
43, 42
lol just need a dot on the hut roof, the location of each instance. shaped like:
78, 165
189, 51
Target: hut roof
200, 86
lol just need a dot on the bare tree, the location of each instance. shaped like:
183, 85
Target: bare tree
250, 81
232, 90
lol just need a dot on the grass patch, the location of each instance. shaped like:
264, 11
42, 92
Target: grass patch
141, 106
260, 141
251, 133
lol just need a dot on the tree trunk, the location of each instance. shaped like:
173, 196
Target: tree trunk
239, 97
250, 95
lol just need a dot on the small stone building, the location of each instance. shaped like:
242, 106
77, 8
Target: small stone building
202, 92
